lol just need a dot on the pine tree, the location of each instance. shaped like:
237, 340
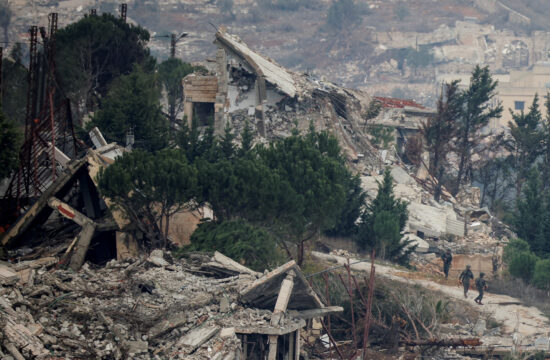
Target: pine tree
545, 163
382, 222
532, 213
92, 52
315, 174
248, 244
477, 110
355, 200
133, 103
227, 147
246, 139
10, 141
170, 73
527, 145
439, 130
151, 188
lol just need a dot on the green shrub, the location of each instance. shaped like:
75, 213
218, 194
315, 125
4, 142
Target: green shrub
522, 265
382, 136
541, 277
515, 246
241, 241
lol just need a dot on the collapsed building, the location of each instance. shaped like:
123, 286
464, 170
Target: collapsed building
194, 308
199, 308
249, 87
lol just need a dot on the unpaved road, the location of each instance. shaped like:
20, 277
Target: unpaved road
529, 321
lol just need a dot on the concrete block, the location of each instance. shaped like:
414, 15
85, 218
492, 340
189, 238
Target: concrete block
199, 336
224, 305
316, 324
480, 327
227, 332
401, 176
137, 347
422, 245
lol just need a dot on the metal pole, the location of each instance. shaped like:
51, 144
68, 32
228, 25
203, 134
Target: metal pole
123, 10
31, 107
350, 292
173, 46
31, 78
327, 295
369, 299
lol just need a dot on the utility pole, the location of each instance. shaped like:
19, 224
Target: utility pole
173, 46
123, 10
173, 41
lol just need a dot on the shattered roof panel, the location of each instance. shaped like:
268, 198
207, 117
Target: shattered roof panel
263, 292
398, 103
263, 66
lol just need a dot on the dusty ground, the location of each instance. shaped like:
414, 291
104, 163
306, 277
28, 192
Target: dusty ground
521, 322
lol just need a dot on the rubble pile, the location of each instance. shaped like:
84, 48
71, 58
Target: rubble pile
472, 234
196, 308
130, 308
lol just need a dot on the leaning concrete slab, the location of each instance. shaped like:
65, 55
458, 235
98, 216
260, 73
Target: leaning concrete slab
263, 292
226, 266
264, 68
195, 338
315, 313
25, 221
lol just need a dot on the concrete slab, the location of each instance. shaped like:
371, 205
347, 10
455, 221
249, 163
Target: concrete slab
199, 336
400, 176
422, 246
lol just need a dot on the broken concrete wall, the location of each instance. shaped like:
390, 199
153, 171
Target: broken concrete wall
478, 262
184, 223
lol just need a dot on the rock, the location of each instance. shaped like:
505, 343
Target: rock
429, 257
157, 253
227, 332
35, 329
137, 347
157, 258
224, 305
422, 245
477, 226
480, 327
401, 176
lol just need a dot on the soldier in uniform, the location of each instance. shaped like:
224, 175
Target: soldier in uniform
465, 278
481, 286
447, 260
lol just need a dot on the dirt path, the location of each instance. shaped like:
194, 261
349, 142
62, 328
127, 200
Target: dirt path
529, 322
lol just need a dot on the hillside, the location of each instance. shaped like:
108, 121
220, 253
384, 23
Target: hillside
350, 43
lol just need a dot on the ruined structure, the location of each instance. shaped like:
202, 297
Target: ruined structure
248, 86
196, 308
406, 116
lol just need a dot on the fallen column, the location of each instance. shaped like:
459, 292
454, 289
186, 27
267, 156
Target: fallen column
84, 237
280, 308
